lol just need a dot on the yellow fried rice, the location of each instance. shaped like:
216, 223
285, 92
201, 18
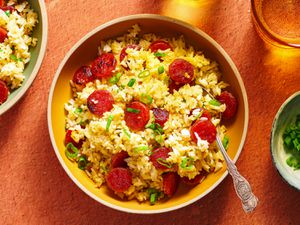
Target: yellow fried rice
99, 144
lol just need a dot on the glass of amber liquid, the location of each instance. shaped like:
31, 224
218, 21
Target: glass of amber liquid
278, 21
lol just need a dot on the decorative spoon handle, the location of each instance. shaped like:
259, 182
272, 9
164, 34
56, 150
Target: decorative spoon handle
241, 185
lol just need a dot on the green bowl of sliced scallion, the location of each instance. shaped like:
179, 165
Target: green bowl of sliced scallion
285, 141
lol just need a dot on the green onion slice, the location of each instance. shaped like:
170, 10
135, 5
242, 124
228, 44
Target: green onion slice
115, 79
126, 133
132, 110
225, 142
153, 198
109, 120
71, 151
187, 163
141, 148
7, 12
160, 69
78, 111
131, 82
82, 162
13, 57
147, 99
144, 74
214, 102
160, 54
164, 162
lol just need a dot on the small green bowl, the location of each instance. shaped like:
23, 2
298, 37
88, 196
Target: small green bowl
285, 116
37, 55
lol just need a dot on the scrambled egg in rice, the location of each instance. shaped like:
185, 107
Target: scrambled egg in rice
14, 51
100, 143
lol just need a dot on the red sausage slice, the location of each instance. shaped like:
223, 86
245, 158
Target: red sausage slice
205, 130
3, 34
231, 104
119, 179
181, 71
196, 180
3, 92
2, 2
69, 139
100, 101
159, 156
117, 160
161, 116
170, 183
83, 76
7, 8
103, 65
137, 115
159, 45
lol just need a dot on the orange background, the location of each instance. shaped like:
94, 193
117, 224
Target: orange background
34, 189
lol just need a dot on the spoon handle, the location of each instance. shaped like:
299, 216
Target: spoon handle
241, 185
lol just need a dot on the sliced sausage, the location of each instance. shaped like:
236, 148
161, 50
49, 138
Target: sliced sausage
231, 104
104, 65
119, 179
205, 130
161, 116
170, 183
137, 115
118, 159
159, 156
100, 101
82, 76
181, 71
3, 92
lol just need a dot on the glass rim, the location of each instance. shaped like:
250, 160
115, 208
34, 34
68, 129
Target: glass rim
267, 33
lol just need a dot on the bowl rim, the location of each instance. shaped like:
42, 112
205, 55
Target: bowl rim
37, 65
274, 125
167, 19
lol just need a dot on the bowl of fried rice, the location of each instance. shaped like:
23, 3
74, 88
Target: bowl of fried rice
23, 38
131, 120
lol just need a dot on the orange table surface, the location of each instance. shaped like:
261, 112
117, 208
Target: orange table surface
34, 189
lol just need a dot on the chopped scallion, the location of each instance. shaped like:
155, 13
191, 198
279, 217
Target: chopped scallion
126, 133
132, 110
214, 102
140, 148
153, 198
109, 120
7, 12
71, 151
115, 79
78, 111
187, 163
160, 69
13, 57
144, 74
82, 162
131, 82
160, 54
225, 142
164, 162
147, 99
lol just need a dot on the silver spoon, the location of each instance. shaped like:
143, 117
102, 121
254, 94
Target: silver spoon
241, 185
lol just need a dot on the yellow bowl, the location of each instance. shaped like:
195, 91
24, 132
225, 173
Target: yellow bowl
85, 51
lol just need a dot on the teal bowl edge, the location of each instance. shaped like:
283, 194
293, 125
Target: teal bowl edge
273, 129
38, 53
